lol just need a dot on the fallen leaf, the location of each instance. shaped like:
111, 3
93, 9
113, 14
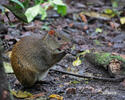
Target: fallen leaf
56, 96
71, 24
109, 44
83, 17
112, 25
98, 30
97, 15
7, 67
61, 85
21, 94
37, 95
71, 91
122, 20
75, 82
108, 11
77, 62
85, 27
69, 69
51, 32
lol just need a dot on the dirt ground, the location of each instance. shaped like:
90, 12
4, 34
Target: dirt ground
84, 37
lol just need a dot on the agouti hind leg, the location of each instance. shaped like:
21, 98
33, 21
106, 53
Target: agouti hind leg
26, 78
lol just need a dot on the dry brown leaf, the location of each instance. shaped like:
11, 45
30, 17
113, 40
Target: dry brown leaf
71, 91
51, 32
71, 24
83, 17
37, 95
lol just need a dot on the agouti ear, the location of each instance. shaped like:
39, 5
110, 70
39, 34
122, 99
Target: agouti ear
51, 32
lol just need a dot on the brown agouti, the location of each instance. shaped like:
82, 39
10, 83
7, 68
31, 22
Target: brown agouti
34, 55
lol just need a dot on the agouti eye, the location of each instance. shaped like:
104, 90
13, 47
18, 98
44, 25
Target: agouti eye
59, 38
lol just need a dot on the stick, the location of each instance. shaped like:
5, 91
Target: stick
91, 77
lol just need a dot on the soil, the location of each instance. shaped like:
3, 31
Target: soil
84, 37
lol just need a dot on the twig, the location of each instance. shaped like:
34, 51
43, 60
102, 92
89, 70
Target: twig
92, 77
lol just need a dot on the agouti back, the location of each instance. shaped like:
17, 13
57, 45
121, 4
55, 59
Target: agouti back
33, 55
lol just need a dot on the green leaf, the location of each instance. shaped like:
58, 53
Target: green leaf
114, 3
108, 11
18, 12
61, 7
98, 30
18, 2
26, 3
8, 67
32, 12
62, 10
21, 94
77, 62
43, 13
75, 82
58, 2
122, 20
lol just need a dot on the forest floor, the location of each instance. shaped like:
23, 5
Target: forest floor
93, 32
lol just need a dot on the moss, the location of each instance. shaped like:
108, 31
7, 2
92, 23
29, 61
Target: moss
103, 58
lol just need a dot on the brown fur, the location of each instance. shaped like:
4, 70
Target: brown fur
32, 55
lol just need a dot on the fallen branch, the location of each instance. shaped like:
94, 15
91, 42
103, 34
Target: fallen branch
91, 77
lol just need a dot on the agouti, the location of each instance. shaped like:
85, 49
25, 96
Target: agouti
34, 55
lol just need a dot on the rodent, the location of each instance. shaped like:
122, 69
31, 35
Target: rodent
32, 56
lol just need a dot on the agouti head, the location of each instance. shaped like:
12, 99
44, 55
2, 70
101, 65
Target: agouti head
58, 42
